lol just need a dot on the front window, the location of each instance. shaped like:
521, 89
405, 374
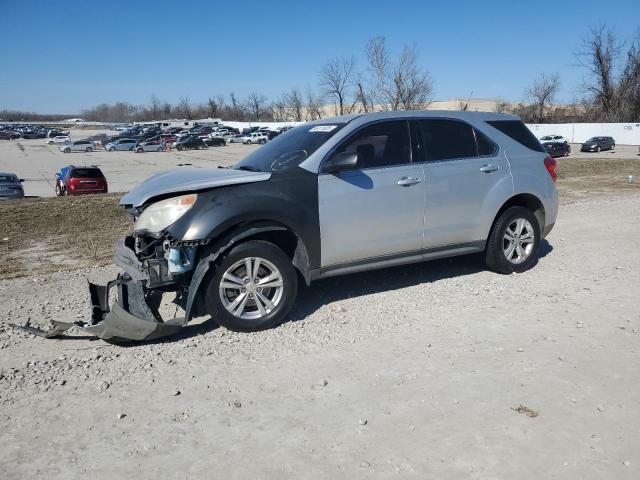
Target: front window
289, 149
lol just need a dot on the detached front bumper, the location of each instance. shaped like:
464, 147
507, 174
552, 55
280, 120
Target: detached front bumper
134, 315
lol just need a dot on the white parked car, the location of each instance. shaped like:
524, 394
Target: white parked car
77, 146
58, 139
553, 138
254, 137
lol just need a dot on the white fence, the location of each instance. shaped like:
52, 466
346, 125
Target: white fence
622, 133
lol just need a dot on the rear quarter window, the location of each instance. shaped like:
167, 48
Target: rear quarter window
516, 130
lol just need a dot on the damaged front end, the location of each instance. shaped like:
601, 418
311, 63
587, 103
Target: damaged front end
135, 313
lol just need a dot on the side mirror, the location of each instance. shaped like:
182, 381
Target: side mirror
341, 161
21, 180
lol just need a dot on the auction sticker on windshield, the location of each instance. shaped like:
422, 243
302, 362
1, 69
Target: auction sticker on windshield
323, 128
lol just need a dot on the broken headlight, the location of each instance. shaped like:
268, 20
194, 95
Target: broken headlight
158, 216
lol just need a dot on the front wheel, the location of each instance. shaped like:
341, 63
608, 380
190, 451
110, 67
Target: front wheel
112, 149
513, 243
67, 150
59, 191
253, 287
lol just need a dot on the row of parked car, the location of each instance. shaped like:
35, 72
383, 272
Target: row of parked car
558, 146
13, 132
144, 138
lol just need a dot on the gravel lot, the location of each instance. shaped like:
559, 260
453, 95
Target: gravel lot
38, 163
437, 370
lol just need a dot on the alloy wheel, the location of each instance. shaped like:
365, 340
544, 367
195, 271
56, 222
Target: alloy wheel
251, 288
518, 240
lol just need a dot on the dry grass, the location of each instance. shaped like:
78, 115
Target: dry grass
526, 411
581, 178
49, 234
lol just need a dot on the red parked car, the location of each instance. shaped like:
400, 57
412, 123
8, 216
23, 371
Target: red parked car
72, 180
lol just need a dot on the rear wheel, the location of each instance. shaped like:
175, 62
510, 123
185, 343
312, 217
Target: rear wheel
253, 287
88, 150
160, 149
513, 243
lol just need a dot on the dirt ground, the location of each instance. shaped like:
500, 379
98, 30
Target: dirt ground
436, 370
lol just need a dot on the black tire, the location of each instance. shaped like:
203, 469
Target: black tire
88, 150
598, 149
66, 150
266, 251
59, 191
112, 149
495, 256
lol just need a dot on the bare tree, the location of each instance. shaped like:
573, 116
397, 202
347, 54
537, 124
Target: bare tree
314, 105
257, 103
542, 94
336, 79
279, 109
400, 85
597, 56
294, 104
212, 107
628, 90
184, 108
237, 107
155, 107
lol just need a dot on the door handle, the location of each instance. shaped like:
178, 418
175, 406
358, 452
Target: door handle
488, 168
408, 181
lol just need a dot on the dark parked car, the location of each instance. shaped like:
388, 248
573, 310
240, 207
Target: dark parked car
34, 134
191, 142
72, 180
10, 186
596, 144
9, 135
215, 142
557, 149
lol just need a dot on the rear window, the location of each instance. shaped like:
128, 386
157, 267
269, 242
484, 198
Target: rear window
86, 173
517, 131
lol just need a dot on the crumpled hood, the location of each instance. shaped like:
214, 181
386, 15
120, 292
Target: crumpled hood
188, 180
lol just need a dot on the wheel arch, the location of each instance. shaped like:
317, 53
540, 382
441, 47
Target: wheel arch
526, 200
271, 231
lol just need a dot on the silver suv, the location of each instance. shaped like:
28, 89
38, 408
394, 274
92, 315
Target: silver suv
336, 196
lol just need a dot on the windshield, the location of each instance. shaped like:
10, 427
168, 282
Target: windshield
288, 149
8, 179
593, 139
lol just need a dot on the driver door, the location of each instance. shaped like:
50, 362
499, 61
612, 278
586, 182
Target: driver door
377, 209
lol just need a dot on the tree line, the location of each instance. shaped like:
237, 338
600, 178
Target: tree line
609, 92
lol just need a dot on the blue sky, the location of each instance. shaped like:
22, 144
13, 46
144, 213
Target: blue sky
63, 56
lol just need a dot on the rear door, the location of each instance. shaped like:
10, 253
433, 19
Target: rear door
463, 169
376, 210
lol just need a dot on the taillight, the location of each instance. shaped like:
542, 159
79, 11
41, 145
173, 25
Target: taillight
550, 164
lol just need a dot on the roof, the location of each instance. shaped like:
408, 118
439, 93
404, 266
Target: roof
417, 113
